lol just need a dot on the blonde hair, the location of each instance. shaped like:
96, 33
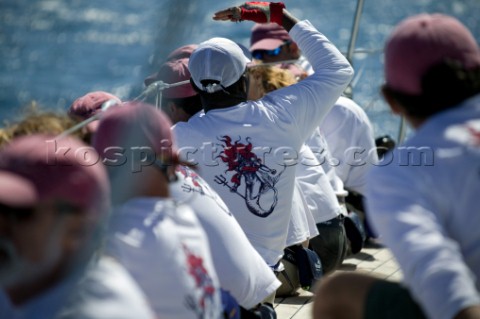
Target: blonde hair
36, 120
272, 77
4, 137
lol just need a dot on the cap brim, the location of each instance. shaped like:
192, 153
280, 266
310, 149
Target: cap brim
266, 44
246, 52
16, 191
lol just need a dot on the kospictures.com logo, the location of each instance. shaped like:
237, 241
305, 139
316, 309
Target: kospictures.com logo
209, 154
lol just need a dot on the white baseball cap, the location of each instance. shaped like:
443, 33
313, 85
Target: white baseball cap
217, 59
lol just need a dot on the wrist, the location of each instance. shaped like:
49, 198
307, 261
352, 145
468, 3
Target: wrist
288, 20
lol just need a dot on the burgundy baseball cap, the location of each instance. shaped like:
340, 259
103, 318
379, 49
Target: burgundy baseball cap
267, 36
174, 70
182, 52
90, 104
171, 72
420, 42
39, 168
135, 124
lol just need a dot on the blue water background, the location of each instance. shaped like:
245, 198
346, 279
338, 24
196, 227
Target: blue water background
53, 51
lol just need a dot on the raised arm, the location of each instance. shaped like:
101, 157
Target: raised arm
307, 102
261, 12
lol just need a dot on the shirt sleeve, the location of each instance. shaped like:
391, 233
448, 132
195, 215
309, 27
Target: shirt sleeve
309, 100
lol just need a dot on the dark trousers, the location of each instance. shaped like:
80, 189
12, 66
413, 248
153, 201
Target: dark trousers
331, 244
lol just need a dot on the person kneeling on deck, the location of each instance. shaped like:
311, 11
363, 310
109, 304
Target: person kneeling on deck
159, 241
316, 242
239, 267
245, 136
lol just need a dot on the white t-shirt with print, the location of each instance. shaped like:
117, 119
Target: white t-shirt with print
247, 152
166, 251
240, 269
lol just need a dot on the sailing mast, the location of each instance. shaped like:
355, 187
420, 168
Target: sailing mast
351, 50
353, 39
355, 27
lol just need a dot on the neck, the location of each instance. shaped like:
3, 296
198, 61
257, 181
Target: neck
149, 183
415, 123
212, 104
221, 100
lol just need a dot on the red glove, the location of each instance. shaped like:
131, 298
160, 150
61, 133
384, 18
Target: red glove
262, 12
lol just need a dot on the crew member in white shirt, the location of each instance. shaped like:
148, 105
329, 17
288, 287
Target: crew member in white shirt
349, 135
424, 203
314, 204
346, 127
160, 242
241, 147
53, 206
240, 269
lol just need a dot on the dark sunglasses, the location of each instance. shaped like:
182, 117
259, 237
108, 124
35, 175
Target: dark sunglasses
259, 54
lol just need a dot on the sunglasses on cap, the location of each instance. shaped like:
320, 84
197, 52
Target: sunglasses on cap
259, 54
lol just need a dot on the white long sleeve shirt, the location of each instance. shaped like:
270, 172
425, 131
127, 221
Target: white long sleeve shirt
244, 152
424, 203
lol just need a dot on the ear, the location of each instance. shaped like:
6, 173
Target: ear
293, 47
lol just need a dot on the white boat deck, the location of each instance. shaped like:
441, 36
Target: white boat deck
373, 259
